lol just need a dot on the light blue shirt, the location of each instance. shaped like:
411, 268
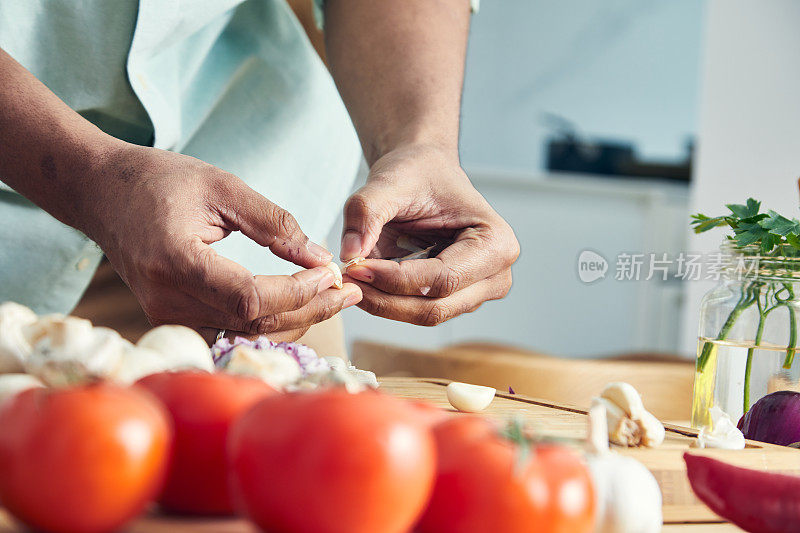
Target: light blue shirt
234, 83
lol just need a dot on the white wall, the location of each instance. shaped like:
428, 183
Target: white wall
618, 68
749, 133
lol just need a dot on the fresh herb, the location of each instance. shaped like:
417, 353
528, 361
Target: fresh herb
774, 236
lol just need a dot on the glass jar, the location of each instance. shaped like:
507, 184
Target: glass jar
748, 333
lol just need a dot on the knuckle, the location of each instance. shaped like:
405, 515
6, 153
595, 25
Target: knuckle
327, 310
246, 302
265, 324
357, 205
299, 293
434, 315
285, 223
449, 282
376, 305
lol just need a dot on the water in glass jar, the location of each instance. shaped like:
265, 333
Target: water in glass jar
724, 382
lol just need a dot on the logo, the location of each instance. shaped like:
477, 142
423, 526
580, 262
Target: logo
591, 266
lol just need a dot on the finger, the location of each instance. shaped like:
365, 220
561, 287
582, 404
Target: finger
183, 309
471, 258
272, 226
365, 214
210, 335
231, 288
327, 304
433, 311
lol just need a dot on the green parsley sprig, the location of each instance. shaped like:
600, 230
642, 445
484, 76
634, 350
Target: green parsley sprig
771, 231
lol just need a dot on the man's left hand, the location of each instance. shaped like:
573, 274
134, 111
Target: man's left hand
422, 193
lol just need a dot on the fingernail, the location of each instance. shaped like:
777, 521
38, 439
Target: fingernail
352, 300
319, 251
351, 246
425, 290
361, 273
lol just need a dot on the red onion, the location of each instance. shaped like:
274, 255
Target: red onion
775, 418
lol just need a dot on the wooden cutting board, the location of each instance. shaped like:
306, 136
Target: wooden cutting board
682, 511
680, 505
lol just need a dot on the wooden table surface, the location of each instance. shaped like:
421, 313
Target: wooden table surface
562, 421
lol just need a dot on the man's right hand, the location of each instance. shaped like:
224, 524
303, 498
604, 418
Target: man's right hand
155, 214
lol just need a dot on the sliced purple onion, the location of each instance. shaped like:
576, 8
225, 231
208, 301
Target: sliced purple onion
306, 357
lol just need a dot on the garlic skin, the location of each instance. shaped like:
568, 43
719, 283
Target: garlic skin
13, 384
724, 436
353, 261
14, 347
68, 350
469, 398
337, 275
275, 367
180, 346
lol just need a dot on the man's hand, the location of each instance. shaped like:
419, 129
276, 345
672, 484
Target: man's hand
154, 214
155, 218
422, 192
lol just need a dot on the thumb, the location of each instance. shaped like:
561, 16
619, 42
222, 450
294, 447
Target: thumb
365, 214
272, 226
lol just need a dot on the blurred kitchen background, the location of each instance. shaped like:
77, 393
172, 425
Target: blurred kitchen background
580, 120
600, 126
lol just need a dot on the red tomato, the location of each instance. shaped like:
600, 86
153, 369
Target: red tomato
428, 413
332, 461
81, 460
202, 406
481, 484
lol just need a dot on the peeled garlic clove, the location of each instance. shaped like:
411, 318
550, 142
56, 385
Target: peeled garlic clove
337, 275
652, 429
14, 347
469, 398
180, 346
13, 384
625, 397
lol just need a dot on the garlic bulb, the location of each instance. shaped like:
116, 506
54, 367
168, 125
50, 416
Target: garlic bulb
13, 384
277, 368
137, 362
14, 347
627, 495
469, 398
181, 347
68, 350
629, 423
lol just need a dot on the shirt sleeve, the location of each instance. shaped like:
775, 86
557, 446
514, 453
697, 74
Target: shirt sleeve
319, 10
